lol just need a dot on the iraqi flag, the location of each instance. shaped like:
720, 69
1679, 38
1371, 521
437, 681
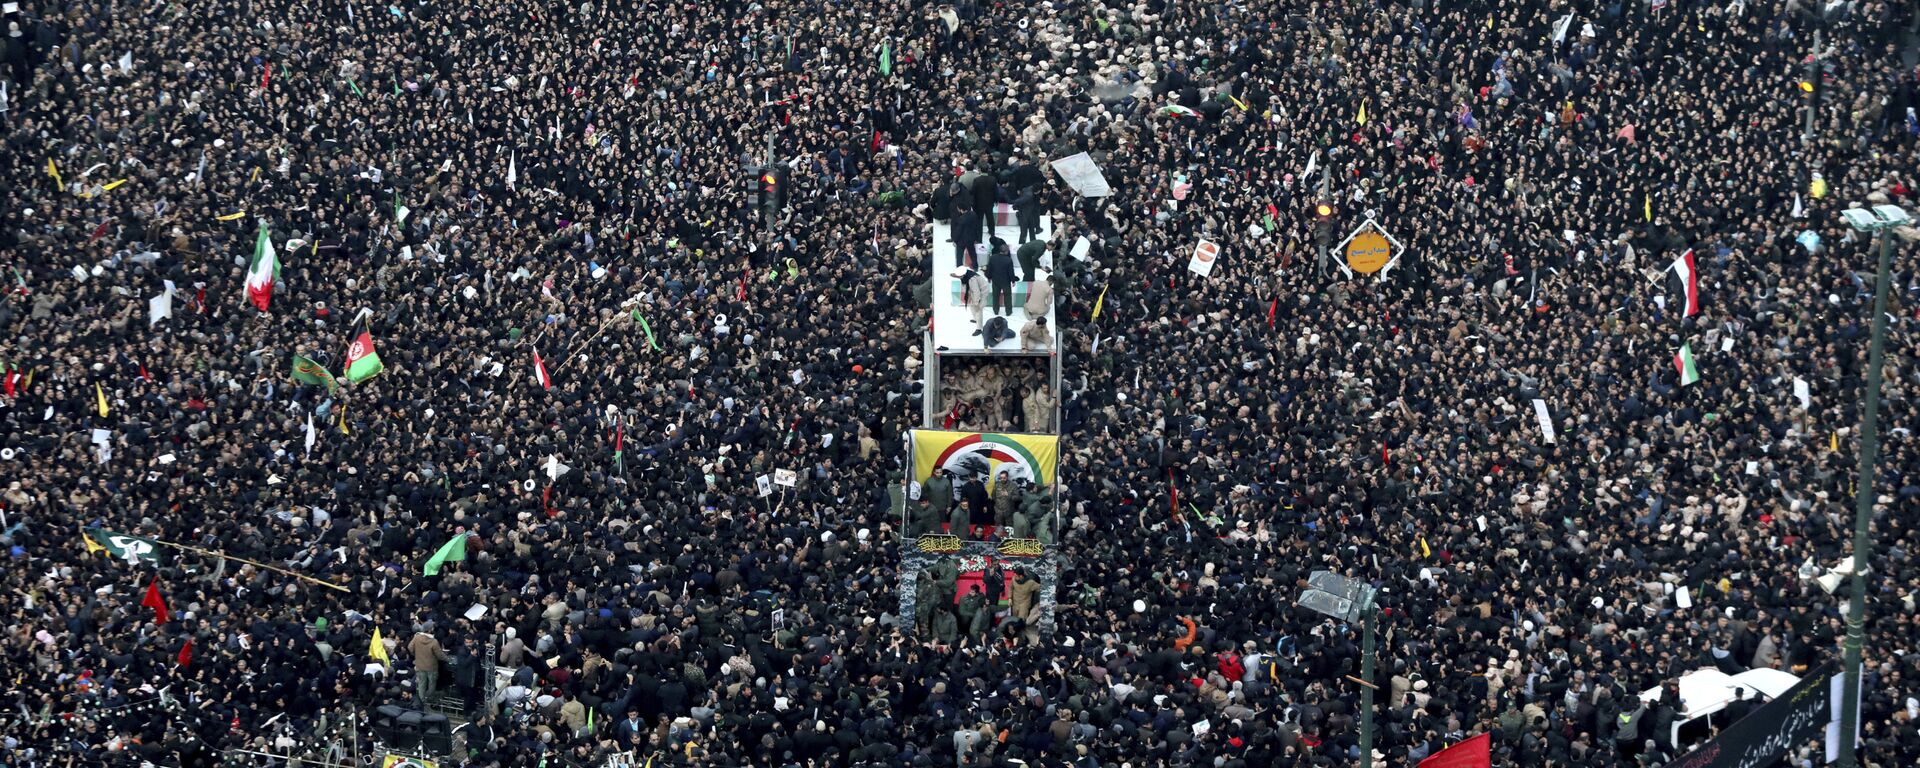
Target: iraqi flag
263, 271
540, 371
1689, 282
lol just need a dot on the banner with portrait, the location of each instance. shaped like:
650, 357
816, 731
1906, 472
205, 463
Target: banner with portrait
988, 454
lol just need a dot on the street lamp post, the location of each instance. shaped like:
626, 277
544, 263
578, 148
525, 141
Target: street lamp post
1349, 600
1881, 220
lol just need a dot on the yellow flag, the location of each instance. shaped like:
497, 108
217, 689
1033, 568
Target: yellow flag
1425, 551
55, 173
113, 186
232, 216
1649, 206
256, 176
343, 421
1363, 113
1819, 187
1238, 103
93, 547
101, 394
1833, 442
1100, 302
377, 650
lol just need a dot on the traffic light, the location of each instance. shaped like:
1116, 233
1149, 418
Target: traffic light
1323, 210
754, 186
773, 186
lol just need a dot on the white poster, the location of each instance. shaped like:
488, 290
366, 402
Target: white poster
1204, 256
1081, 248
1546, 422
785, 478
159, 308
1080, 173
1803, 393
765, 482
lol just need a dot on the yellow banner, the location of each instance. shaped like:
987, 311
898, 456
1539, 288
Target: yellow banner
402, 761
995, 455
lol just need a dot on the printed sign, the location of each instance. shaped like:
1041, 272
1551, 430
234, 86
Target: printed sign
785, 477
1204, 256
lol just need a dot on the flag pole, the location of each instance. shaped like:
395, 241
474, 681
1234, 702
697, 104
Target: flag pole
225, 556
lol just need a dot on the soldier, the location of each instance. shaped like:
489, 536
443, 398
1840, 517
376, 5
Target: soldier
1022, 594
1022, 526
924, 521
1006, 496
1043, 529
926, 597
973, 612
937, 491
957, 522
945, 629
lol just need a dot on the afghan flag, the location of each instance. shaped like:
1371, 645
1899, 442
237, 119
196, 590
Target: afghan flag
1689, 282
1176, 110
1683, 361
455, 550
263, 271
362, 362
540, 371
310, 372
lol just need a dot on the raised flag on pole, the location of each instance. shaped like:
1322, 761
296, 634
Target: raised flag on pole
513, 169
377, 649
263, 271
100, 396
1689, 282
1683, 361
362, 361
121, 546
540, 371
312, 437
310, 372
155, 601
454, 550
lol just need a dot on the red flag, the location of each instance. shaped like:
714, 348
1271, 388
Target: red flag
266, 75
952, 417
144, 374
186, 654
1272, 310
743, 286
619, 437
546, 500
8, 382
155, 601
540, 371
1476, 752
99, 231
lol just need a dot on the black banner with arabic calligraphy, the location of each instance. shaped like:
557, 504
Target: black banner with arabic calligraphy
1764, 737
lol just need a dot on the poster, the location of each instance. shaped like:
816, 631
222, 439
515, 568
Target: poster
403, 761
1080, 173
1546, 421
765, 483
1017, 456
786, 478
1205, 255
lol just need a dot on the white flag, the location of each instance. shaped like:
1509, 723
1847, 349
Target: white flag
1313, 162
513, 169
1560, 28
1799, 209
311, 438
1546, 421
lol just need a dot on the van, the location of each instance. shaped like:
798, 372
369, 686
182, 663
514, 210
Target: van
1706, 692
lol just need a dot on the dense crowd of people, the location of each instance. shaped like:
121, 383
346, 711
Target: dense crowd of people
476, 184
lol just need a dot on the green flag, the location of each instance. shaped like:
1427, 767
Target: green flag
455, 550
648, 328
120, 546
356, 88
886, 59
310, 372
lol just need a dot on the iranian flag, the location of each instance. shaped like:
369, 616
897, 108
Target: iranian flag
1683, 361
1689, 282
540, 371
263, 271
362, 362
1175, 110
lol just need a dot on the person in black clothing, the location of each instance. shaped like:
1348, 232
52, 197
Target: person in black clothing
1026, 208
1001, 274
